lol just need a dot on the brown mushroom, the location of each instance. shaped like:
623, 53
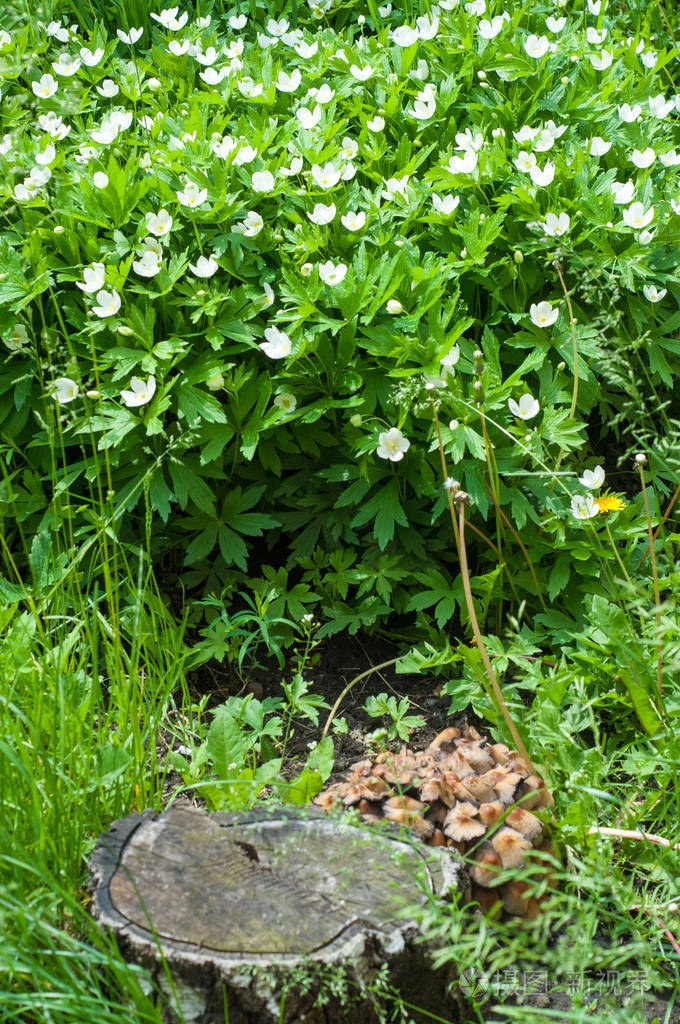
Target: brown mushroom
462, 824
486, 867
401, 816
491, 813
524, 822
477, 756
510, 847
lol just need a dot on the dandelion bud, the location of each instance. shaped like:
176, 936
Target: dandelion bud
640, 459
518, 256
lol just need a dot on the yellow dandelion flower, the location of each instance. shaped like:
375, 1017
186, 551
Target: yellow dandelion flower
609, 503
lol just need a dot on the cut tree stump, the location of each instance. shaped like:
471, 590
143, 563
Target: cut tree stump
279, 915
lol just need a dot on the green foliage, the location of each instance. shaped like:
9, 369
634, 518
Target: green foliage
401, 723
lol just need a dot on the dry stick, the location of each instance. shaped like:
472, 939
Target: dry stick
478, 636
574, 394
665, 517
630, 833
655, 577
517, 537
362, 675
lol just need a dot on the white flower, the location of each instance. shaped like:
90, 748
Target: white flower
17, 339
652, 293
6, 144
325, 94
645, 237
250, 226
543, 176
448, 361
592, 478
394, 187
45, 87
206, 58
648, 59
109, 304
204, 267
536, 46
53, 125
268, 295
178, 47
598, 146
445, 205
596, 37
108, 88
65, 390
93, 278
149, 264
525, 134
159, 224
309, 118
322, 214
556, 225
643, 159
237, 22
464, 164
277, 28
622, 192
405, 36
394, 307
423, 110
131, 37
543, 314
46, 155
332, 273
106, 133
526, 408
327, 176
675, 206
66, 66
306, 50
349, 149
595, 6
140, 392
584, 506
635, 215
474, 7
361, 74
151, 245
191, 195
289, 83
211, 76
669, 159
285, 401
168, 19
376, 124
392, 445
245, 154
629, 114
601, 61
353, 220
262, 181
250, 89
100, 179
659, 106
525, 162
295, 168
277, 345
490, 29
427, 26
555, 24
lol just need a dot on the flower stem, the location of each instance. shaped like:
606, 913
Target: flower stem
572, 323
655, 576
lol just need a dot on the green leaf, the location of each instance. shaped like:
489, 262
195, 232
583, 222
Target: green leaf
226, 745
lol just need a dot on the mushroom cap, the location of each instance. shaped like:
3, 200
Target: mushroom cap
455, 764
515, 895
499, 752
420, 825
524, 822
407, 802
436, 788
491, 813
462, 824
478, 790
535, 793
477, 756
444, 743
510, 847
486, 867
503, 782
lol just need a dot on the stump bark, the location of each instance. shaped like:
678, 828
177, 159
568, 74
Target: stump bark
277, 915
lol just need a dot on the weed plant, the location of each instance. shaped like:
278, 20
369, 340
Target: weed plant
277, 287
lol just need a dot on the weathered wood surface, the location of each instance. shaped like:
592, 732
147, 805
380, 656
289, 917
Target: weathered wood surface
263, 907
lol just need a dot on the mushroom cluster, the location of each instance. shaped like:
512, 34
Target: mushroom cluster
462, 791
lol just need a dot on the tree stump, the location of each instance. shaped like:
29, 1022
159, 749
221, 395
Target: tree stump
276, 914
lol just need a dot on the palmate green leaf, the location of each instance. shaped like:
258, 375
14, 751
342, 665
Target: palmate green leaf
385, 510
559, 429
196, 404
188, 484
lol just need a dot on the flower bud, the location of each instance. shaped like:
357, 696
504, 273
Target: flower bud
215, 381
153, 83
124, 329
518, 256
561, 366
306, 269
394, 306
92, 394
355, 420
481, 75
59, 229
564, 80
640, 459
361, 20
453, 424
